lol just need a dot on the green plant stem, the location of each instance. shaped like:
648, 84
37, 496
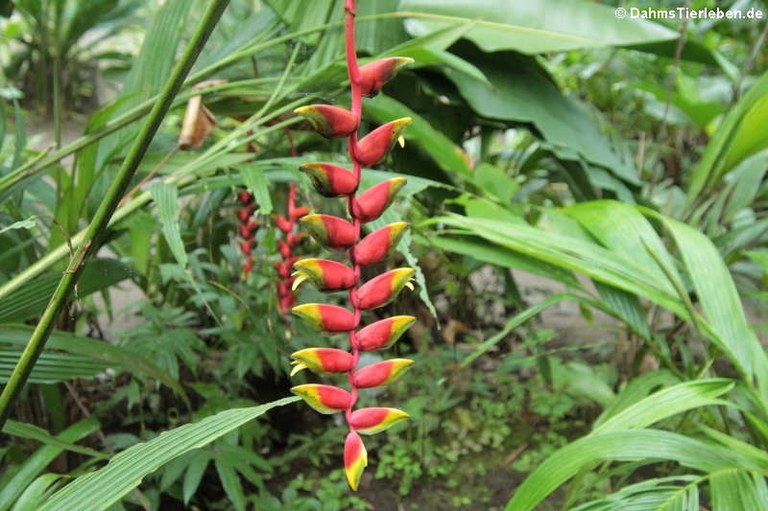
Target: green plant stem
182, 177
34, 167
46, 158
107, 207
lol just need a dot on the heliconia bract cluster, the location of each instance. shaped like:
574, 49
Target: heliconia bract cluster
344, 235
287, 225
248, 225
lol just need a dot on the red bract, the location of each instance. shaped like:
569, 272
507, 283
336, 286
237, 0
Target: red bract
375, 145
368, 421
330, 180
322, 361
338, 233
381, 373
329, 121
247, 228
372, 202
286, 299
325, 274
384, 288
374, 75
331, 231
383, 333
380, 243
326, 318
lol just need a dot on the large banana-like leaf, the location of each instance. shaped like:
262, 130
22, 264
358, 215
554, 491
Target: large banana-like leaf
98, 490
533, 27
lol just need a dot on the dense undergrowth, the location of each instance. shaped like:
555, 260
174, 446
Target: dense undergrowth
586, 197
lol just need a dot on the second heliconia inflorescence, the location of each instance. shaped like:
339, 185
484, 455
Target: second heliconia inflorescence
345, 235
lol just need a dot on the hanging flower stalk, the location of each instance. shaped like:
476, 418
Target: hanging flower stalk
287, 225
248, 224
248, 227
345, 235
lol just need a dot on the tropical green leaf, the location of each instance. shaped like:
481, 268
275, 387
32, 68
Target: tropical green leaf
482, 250
737, 490
29, 301
89, 351
40, 459
257, 183
32, 432
100, 489
166, 196
739, 136
440, 148
529, 95
533, 27
35, 492
636, 389
720, 302
666, 403
645, 445
676, 493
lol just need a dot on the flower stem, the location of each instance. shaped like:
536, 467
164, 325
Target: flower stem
354, 80
107, 208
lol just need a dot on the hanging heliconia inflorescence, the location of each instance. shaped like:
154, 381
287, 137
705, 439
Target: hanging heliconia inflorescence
327, 275
287, 225
248, 225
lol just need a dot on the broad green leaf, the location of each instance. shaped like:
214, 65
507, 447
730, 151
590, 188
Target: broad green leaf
720, 302
667, 402
626, 233
645, 445
636, 389
482, 250
523, 92
40, 459
98, 352
32, 432
626, 307
52, 366
166, 196
737, 490
35, 492
29, 301
573, 254
739, 136
533, 27
257, 183
676, 493
98, 490
440, 148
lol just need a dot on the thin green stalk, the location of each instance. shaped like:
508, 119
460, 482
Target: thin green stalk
46, 158
56, 46
182, 177
32, 168
107, 207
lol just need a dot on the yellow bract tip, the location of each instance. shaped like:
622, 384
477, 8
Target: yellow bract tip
298, 367
301, 278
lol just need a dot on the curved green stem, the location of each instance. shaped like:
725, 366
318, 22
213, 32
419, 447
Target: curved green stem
107, 207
